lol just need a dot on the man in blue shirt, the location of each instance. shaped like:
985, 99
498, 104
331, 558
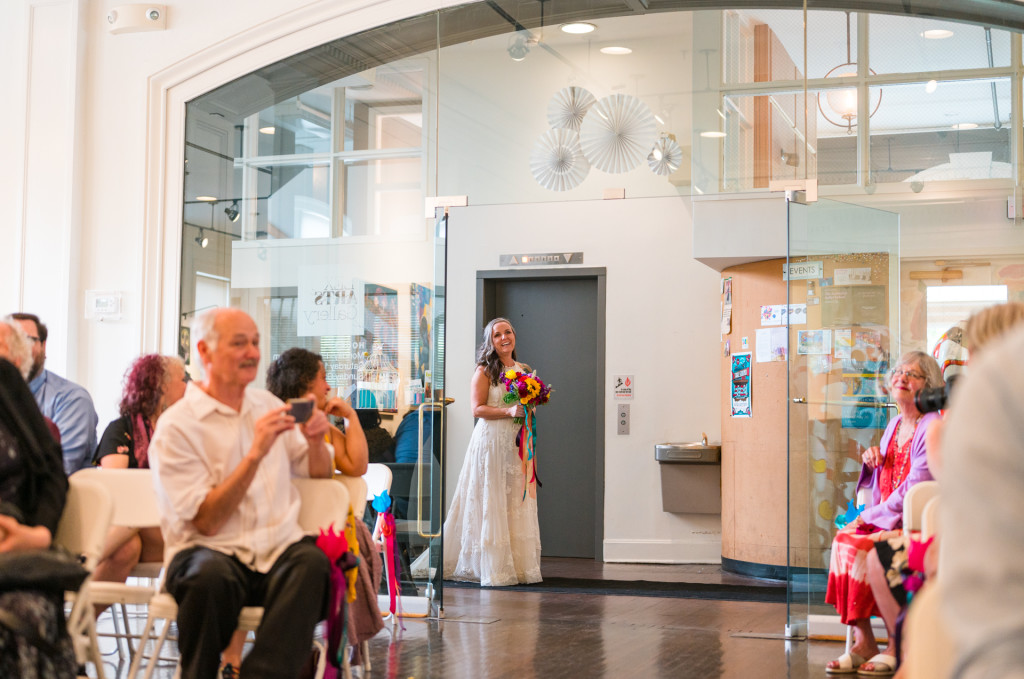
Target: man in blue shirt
61, 400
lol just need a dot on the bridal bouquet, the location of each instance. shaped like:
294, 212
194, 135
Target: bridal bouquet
528, 390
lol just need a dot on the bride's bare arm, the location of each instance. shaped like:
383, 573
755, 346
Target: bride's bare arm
478, 399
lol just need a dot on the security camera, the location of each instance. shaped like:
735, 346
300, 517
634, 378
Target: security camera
136, 18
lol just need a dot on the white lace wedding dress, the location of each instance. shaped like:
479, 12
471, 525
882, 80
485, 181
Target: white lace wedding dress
491, 534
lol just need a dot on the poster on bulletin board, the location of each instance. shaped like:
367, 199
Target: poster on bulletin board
739, 385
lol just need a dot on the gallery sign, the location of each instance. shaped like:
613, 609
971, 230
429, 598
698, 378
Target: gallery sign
541, 259
328, 304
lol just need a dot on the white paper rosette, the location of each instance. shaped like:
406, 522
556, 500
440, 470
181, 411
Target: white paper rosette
617, 133
568, 106
557, 162
665, 157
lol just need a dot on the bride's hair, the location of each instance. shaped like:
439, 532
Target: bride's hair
487, 356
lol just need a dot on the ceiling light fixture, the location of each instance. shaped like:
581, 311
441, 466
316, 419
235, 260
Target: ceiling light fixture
937, 34
201, 240
232, 211
578, 28
965, 126
842, 103
712, 134
518, 48
931, 86
616, 50
268, 129
207, 199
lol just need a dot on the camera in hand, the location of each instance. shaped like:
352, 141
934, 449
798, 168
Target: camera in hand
301, 409
933, 399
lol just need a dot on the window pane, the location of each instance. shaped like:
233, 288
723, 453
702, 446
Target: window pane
911, 45
382, 197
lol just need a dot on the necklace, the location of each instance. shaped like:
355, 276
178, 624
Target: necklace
900, 466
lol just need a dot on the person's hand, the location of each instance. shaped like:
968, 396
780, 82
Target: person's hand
315, 427
340, 408
15, 536
268, 427
872, 457
516, 411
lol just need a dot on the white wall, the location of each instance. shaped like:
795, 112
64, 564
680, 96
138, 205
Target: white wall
661, 327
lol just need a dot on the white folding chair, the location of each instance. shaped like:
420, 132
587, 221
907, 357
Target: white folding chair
357, 493
323, 502
914, 502
134, 506
82, 530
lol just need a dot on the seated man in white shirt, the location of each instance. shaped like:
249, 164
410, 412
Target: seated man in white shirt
222, 459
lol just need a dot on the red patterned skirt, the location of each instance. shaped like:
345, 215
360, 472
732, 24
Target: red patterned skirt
848, 588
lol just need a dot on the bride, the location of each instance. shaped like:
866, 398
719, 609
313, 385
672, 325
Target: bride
491, 534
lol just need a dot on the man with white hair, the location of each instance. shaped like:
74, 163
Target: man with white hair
222, 460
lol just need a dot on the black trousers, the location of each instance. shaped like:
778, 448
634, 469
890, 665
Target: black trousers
211, 588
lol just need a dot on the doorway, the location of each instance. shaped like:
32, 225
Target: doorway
559, 317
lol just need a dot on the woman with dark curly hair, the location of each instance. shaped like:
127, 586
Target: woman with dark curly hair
151, 386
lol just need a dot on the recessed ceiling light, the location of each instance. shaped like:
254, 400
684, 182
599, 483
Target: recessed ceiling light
578, 28
615, 50
712, 134
937, 34
269, 129
207, 199
965, 126
931, 86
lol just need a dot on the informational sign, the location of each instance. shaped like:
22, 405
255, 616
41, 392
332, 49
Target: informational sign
739, 387
540, 259
853, 305
622, 387
802, 271
858, 276
328, 304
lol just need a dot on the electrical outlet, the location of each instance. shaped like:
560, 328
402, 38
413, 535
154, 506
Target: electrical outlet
622, 418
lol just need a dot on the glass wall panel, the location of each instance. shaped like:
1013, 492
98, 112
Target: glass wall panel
917, 45
304, 206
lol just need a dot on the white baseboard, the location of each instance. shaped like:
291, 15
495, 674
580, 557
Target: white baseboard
663, 551
829, 627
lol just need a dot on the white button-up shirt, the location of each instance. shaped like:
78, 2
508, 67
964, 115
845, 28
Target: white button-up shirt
199, 441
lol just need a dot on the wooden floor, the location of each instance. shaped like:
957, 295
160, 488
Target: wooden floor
518, 635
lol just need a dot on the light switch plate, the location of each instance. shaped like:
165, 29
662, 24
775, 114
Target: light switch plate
622, 418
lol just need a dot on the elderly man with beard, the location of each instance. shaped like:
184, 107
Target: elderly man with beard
222, 459
66, 403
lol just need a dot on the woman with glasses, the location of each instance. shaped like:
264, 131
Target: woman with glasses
888, 471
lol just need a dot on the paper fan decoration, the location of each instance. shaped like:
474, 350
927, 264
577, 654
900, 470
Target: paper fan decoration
665, 157
557, 162
617, 133
568, 106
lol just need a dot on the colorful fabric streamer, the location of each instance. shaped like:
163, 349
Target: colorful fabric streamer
336, 547
392, 566
528, 453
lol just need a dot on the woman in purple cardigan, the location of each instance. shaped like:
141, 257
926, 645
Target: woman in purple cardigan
889, 471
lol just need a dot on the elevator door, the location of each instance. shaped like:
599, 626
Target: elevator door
558, 329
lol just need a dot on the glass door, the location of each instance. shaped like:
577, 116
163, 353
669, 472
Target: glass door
843, 292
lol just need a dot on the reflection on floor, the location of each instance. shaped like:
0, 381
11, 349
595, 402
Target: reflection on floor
505, 633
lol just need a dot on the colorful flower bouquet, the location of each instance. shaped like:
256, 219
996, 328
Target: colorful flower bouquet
524, 388
528, 390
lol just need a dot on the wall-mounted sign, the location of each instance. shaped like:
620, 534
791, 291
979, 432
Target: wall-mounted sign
802, 271
540, 259
623, 387
328, 304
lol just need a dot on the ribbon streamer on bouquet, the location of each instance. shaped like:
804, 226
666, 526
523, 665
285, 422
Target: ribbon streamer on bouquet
392, 566
335, 546
527, 453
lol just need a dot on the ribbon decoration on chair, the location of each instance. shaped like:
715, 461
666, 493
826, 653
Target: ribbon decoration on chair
335, 546
392, 567
528, 454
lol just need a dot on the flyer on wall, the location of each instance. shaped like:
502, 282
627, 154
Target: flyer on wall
739, 387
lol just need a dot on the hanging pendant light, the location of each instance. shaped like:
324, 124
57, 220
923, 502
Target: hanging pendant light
841, 104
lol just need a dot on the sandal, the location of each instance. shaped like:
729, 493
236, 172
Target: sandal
883, 665
849, 663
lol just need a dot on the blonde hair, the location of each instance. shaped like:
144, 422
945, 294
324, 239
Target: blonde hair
985, 325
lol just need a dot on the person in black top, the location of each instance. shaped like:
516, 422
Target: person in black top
33, 491
151, 386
